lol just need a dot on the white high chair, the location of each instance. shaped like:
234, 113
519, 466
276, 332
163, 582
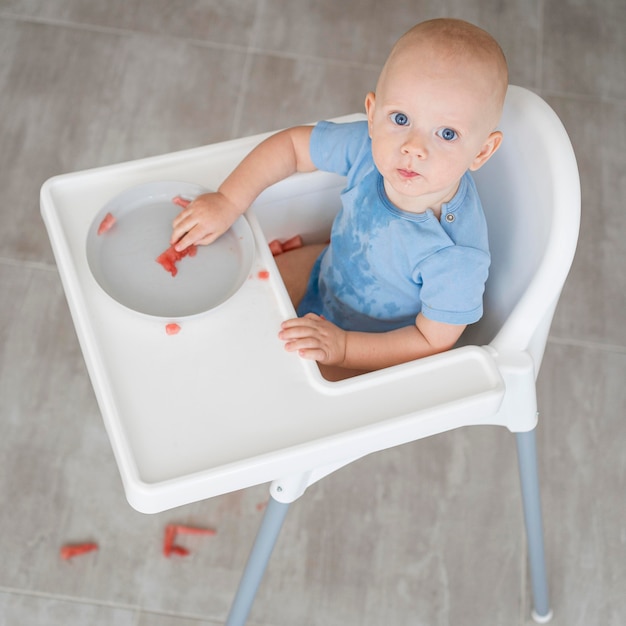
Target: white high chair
531, 195
174, 447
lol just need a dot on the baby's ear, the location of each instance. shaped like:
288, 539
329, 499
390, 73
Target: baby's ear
486, 152
370, 101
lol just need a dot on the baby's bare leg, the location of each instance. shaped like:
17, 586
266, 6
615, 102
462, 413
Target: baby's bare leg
295, 268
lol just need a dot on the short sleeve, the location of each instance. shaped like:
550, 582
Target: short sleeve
338, 147
453, 283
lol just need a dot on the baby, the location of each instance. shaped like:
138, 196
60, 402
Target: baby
408, 258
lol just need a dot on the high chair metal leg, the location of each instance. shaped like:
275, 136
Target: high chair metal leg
527, 458
257, 562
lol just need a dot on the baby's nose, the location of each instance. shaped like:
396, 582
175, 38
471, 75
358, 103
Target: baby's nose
415, 145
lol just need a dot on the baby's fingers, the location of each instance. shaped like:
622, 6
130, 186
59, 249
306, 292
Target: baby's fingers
313, 354
307, 347
296, 328
313, 337
301, 336
310, 320
182, 242
188, 230
181, 225
180, 218
195, 237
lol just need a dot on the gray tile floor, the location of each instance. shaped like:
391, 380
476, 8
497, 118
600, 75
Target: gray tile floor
429, 534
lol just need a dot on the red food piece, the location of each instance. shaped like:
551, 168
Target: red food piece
168, 539
276, 247
106, 223
191, 530
263, 274
172, 530
70, 551
293, 243
172, 329
181, 202
171, 256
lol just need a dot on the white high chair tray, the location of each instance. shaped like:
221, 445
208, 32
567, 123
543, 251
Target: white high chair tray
221, 406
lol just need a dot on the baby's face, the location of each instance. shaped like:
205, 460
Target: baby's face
429, 122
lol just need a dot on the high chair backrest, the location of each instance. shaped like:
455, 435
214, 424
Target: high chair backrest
530, 191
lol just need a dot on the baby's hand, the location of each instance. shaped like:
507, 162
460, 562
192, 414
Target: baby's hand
315, 338
203, 221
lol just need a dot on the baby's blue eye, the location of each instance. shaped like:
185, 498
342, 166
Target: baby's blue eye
447, 133
400, 119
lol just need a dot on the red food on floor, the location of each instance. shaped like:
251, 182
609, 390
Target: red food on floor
181, 202
172, 530
172, 328
263, 274
293, 243
276, 247
171, 256
168, 539
106, 223
192, 530
70, 551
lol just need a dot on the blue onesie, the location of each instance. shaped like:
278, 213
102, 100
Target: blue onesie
384, 265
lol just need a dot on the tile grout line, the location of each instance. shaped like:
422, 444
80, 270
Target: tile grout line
581, 97
31, 265
540, 40
245, 76
251, 49
587, 344
138, 610
45, 595
525, 584
114, 30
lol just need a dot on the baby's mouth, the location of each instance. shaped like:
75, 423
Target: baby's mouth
407, 174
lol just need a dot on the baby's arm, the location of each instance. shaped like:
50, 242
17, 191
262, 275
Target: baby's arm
313, 337
211, 214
